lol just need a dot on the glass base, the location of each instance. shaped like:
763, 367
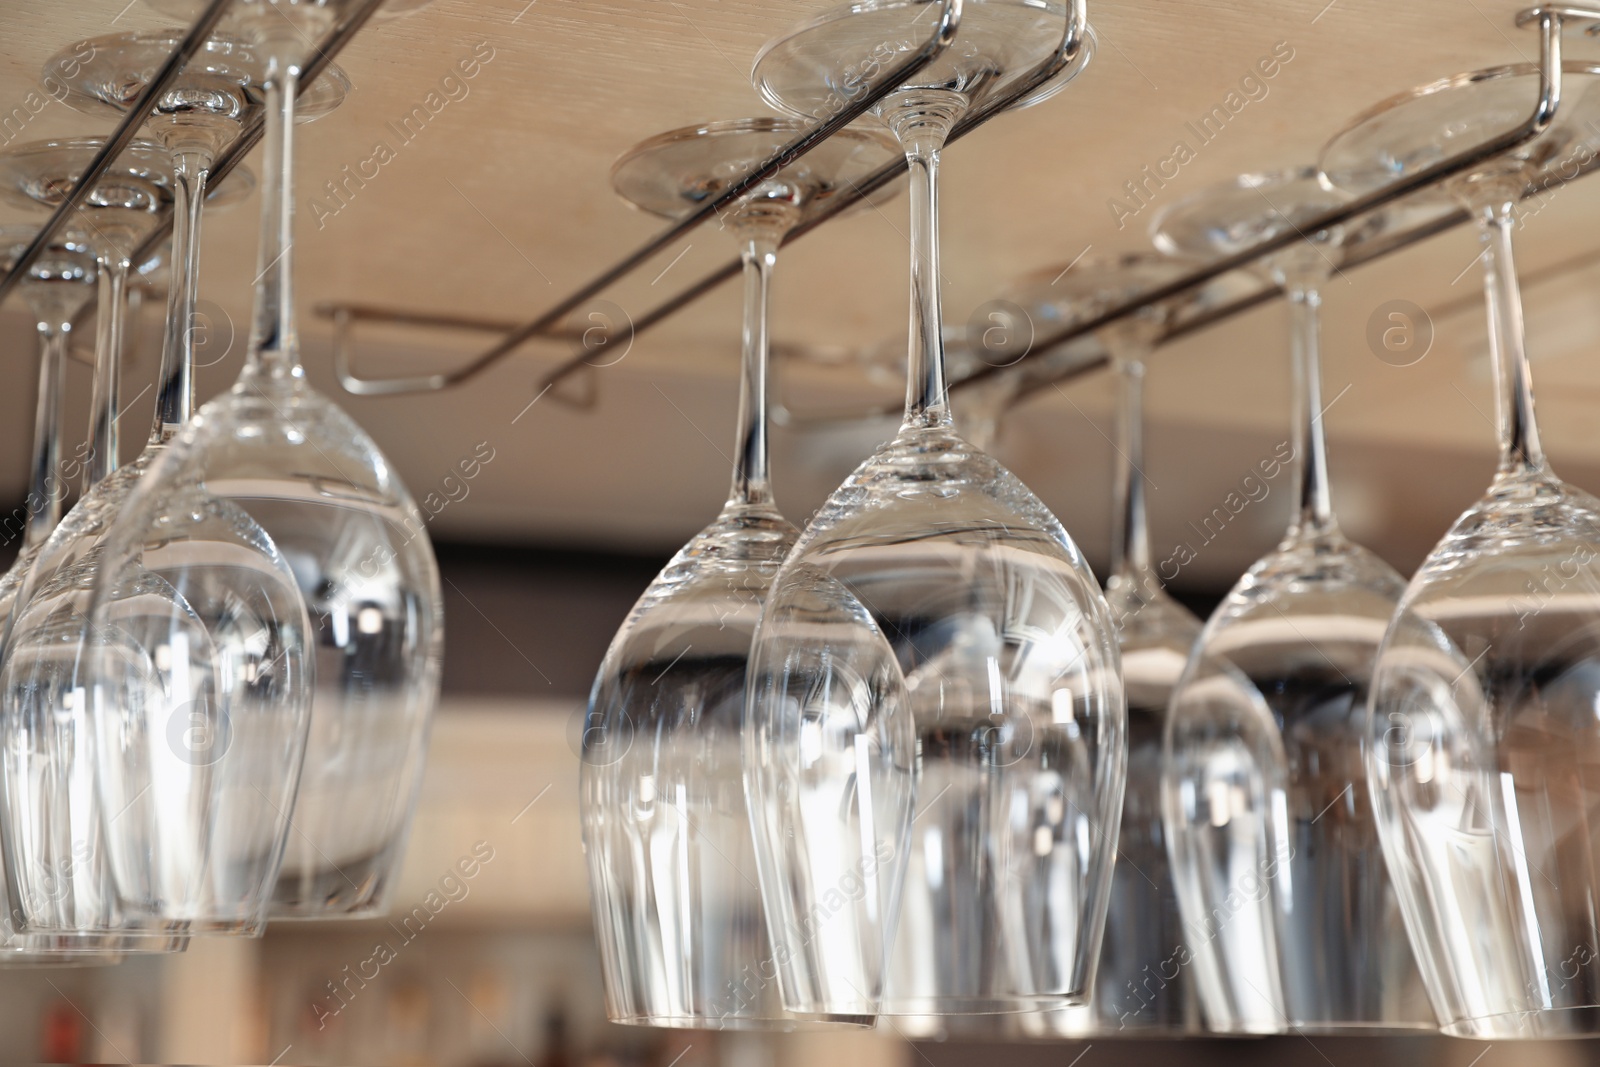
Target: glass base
1067, 293
223, 80
1435, 122
1229, 217
815, 70
676, 172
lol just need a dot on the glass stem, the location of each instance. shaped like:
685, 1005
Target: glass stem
175, 398
1130, 532
1315, 505
751, 484
922, 119
274, 345
45, 491
107, 371
1520, 451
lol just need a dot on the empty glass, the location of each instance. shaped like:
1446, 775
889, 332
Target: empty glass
217, 93
672, 870
1144, 986
204, 835
1291, 918
935, 699
56, 288
330, 502
1484, 747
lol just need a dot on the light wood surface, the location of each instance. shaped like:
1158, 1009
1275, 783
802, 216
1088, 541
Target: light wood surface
501, 204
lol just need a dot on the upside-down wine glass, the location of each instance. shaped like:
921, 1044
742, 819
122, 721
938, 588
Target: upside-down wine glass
332, 504
1484, 747
56, 288
1290, 917
672, 870
201, 829
935, 701
1143, 987
215, 95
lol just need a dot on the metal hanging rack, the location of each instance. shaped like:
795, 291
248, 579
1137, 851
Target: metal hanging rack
549, 325
127, 131
1040, 364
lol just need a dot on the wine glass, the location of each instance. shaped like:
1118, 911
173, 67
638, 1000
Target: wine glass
118, 215
244, 12
56, 288
216, 94
1143, 986
1483, 742
671, 865
1292, 921
334, 507
61, 823
934, 698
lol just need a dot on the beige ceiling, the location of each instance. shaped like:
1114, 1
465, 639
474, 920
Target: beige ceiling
501, 205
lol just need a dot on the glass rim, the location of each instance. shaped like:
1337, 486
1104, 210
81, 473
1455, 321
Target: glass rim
787, 1022
1358, 231
1076, 307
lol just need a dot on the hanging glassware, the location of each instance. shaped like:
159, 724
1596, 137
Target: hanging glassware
1144, 986
56, 288
1484, 749
331, 503
62, 831
1291, 919
934, 697
672, 869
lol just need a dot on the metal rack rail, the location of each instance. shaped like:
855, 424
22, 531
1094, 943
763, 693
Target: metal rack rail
128, 130
1036, 363
1074, 36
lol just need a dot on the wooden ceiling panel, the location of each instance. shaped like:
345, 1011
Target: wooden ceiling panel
500, 203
